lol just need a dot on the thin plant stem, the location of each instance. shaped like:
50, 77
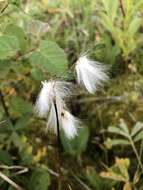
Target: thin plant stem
81, 182
5, 107
140, 154
59, 147
12, 183
136, 153
20, 168
122, 8
4, 8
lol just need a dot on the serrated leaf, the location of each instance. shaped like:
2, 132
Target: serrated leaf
49, 57
9, 46
18, 32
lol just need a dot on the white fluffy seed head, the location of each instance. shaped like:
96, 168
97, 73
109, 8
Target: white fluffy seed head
70, 124
51, 90
43, 101
55, 92
90, 74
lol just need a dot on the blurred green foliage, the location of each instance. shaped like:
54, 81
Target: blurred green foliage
42, 39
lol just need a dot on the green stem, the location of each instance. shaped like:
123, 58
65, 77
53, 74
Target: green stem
136, 153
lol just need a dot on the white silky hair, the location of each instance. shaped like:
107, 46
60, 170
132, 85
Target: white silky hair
70, 124
43, 102
90, 74
50, 90
55, 92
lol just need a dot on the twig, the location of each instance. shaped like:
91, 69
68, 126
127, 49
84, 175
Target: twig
8, 180
4, 8
53, 172
5, 107
122, 8
19, 56
21, 168
70, 188
103, 99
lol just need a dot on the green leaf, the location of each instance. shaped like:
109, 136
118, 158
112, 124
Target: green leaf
5, 158
37, 74
49, 57
134, 26
6, 127
106, 22
19, 106
138, 137
106, 5
4, 68
114, 142
15, 2
18, 32
117, 131
113, 9
9, 46
26, 157
22, 123
138, 126
77, 145
15, 139
40, 180
96, 181
124, 127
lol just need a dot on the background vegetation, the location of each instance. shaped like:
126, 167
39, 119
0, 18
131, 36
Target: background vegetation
42, 39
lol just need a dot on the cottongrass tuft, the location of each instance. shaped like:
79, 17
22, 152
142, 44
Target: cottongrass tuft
55, 92
70, 124
90, 74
